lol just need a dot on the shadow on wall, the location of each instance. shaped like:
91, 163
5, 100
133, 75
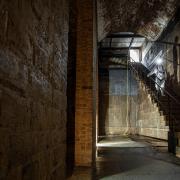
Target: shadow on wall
71, 89
103, 100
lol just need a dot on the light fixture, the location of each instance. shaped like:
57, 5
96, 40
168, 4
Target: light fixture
159, 61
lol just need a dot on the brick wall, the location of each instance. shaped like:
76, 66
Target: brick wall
33, 60
147, 18
84, 82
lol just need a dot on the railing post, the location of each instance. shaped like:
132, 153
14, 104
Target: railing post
150, 87
171, 135
158, 94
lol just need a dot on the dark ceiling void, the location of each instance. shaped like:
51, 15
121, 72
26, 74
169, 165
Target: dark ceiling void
118, 45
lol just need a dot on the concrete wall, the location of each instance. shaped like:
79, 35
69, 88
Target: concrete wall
144, 116
33, 70
117, 111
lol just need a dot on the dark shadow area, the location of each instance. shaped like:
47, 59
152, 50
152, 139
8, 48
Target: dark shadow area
115, 161
71, 89
103, 96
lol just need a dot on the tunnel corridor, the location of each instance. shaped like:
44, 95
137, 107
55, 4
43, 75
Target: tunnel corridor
89, 89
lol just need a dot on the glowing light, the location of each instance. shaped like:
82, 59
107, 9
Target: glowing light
134, 54
159, 61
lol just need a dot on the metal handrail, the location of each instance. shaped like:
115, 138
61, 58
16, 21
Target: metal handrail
168, 93
164, 42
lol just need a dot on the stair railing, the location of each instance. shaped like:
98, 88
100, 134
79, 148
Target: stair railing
170, 98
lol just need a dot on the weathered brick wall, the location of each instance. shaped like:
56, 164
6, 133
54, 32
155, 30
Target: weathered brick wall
145, 17
150, 122
84, 83
33, 60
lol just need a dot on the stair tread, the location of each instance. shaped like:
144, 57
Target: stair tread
161, 101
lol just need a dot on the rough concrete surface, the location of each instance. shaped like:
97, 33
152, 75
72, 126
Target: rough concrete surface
135, 162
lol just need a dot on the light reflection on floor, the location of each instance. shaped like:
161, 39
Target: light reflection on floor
124, 158
120, 142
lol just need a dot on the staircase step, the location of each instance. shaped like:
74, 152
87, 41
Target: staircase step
166, 107
162, 102
177, 129
173, 117
171, 111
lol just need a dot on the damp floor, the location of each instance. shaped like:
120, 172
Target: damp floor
135, 158
132, 158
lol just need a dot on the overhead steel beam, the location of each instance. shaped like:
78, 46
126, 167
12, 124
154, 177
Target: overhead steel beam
113, 55
124, 36
116, 48
131, 43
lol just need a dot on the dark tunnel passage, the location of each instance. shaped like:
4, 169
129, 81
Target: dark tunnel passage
89, 89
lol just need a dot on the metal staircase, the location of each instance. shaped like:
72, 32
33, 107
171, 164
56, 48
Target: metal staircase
169, 104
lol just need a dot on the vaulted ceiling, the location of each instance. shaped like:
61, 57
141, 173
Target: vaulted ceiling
144, 17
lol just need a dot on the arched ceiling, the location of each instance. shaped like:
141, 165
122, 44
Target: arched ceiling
144, 17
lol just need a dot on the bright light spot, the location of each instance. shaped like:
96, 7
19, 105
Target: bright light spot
134, 55
120, 144
159, 61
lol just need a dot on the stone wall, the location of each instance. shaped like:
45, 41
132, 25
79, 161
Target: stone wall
150, 121
33, 70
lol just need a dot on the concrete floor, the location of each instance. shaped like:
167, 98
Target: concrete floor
135, 158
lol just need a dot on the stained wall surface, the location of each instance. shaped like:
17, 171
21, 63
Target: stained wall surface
120, 114
33, 70
118, 102
147, 18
